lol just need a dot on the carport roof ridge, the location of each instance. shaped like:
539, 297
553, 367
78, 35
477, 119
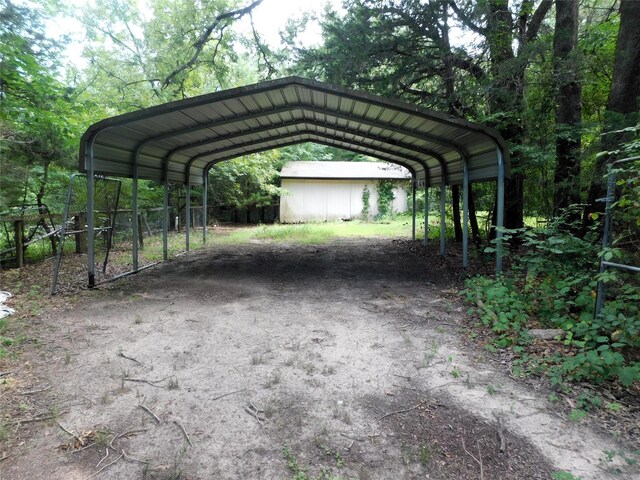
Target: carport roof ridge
343, 170
180, 141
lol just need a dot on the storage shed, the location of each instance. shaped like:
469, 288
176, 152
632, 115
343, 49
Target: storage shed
325, 191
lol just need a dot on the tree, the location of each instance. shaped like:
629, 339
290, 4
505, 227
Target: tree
37, 118
569, 107
509, 37
623, 104
183, 49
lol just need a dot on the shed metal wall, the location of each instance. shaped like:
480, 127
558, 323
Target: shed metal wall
311, 200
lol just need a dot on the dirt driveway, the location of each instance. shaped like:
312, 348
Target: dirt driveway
273, 361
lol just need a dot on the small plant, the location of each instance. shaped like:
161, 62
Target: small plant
173, 384
67, 358
456, 372
137, 320
491, 390
577, 415
562, 475
426, 454
613, 406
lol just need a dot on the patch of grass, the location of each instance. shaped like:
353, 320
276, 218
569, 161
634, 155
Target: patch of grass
577, 415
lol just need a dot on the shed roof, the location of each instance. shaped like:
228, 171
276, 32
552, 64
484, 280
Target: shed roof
179, 141
344, 170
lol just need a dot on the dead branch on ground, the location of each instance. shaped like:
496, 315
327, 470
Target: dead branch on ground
184, 432
120, 354
400, 411
227, 394
148, 410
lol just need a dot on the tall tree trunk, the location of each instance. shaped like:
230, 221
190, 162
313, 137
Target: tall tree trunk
622, 105
569, 108
455, 199
506, 99
473, 219
42, 209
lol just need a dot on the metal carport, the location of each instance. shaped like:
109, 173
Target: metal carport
180, 141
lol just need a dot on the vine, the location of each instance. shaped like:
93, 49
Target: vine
366, 205
385, 198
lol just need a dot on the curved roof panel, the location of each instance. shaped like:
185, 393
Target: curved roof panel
179, 141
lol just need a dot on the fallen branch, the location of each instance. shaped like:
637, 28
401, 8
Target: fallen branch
478, 461
4, 374
120, 354
125, 434
4, 458
31, 392
148, 410
503, 440
353, 438
37, 418
70, 433
184, 432
105, 467
132, 459
399, 411
103, 458
143, 380
254, 414
227, 394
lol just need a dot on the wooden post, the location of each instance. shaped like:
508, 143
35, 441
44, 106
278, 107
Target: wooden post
18, 228
140, 234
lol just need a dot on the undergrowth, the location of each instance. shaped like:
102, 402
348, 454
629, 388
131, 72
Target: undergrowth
552, 284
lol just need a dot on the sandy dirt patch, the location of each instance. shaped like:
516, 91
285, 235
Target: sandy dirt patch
268, 360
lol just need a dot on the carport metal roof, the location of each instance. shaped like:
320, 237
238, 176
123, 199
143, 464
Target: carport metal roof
180, 141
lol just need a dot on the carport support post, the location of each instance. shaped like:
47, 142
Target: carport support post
413, 216
165, 223
465, 213
187, 212
91, 264
500, 208
426, 213
205, 185
134, 213
443, 213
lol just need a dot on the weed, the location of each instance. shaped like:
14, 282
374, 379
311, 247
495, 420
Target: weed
456, 372
613, 406
577, 415
173, 384
426, 454
468, 382
67, 358
137, 320
562, 475
491, 390
102, 438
